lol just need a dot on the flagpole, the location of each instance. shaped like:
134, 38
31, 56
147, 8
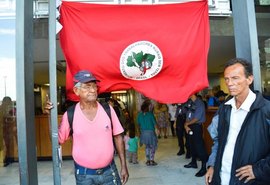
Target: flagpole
53, 92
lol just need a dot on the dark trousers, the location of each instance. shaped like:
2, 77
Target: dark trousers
172, 128
198, 149
181, 133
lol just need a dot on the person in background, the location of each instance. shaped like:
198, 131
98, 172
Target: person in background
221, 95
119, 112
133, 147
212, 102
147, 126
121, 103
115, 106
212, 129
180, 116
92, 128
129, 122
162, 117
195, 117
151, 103
242, 135
126, 139
6, 111
203, 100
172, 110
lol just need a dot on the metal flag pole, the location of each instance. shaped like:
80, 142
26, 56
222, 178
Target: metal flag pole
53, 92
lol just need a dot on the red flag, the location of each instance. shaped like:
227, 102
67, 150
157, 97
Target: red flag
159, 50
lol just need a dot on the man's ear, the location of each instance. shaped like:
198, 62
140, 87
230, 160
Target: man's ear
250, 79
76, 90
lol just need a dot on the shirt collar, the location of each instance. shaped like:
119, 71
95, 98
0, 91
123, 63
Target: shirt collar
246, 104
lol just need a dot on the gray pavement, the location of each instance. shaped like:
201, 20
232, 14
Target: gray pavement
169, 171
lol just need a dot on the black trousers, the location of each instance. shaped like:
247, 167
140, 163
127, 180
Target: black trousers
172, 128
181, 133
198, 149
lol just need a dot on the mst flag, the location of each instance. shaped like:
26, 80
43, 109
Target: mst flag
159, 50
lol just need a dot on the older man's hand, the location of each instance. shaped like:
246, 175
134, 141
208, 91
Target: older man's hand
48, 106
245, 172
124, 175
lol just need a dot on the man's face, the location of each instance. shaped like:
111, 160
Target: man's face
236, 81
87, 91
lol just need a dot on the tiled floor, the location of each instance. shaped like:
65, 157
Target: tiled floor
169, 171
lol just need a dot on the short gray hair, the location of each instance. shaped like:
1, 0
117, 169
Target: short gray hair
78, 85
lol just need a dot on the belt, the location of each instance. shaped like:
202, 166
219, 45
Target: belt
80, 170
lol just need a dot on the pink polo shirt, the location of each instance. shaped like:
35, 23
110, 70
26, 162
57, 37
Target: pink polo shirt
92, 140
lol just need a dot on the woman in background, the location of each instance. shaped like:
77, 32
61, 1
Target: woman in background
162, 117
147, 126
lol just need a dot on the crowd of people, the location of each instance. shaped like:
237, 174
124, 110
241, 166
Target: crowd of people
240, 130
236, 157
154, 121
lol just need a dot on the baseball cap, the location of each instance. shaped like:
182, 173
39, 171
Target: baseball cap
84, 76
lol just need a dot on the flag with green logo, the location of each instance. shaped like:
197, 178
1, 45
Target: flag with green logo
159, 50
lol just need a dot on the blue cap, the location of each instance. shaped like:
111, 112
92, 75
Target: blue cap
84, 76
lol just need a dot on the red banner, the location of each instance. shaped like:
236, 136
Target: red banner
158, 50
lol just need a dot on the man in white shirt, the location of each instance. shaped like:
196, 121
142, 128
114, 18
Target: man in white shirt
243, 154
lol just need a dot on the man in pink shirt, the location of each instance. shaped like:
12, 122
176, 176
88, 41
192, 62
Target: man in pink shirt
93, 134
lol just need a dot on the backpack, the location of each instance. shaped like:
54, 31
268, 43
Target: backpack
70, 114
